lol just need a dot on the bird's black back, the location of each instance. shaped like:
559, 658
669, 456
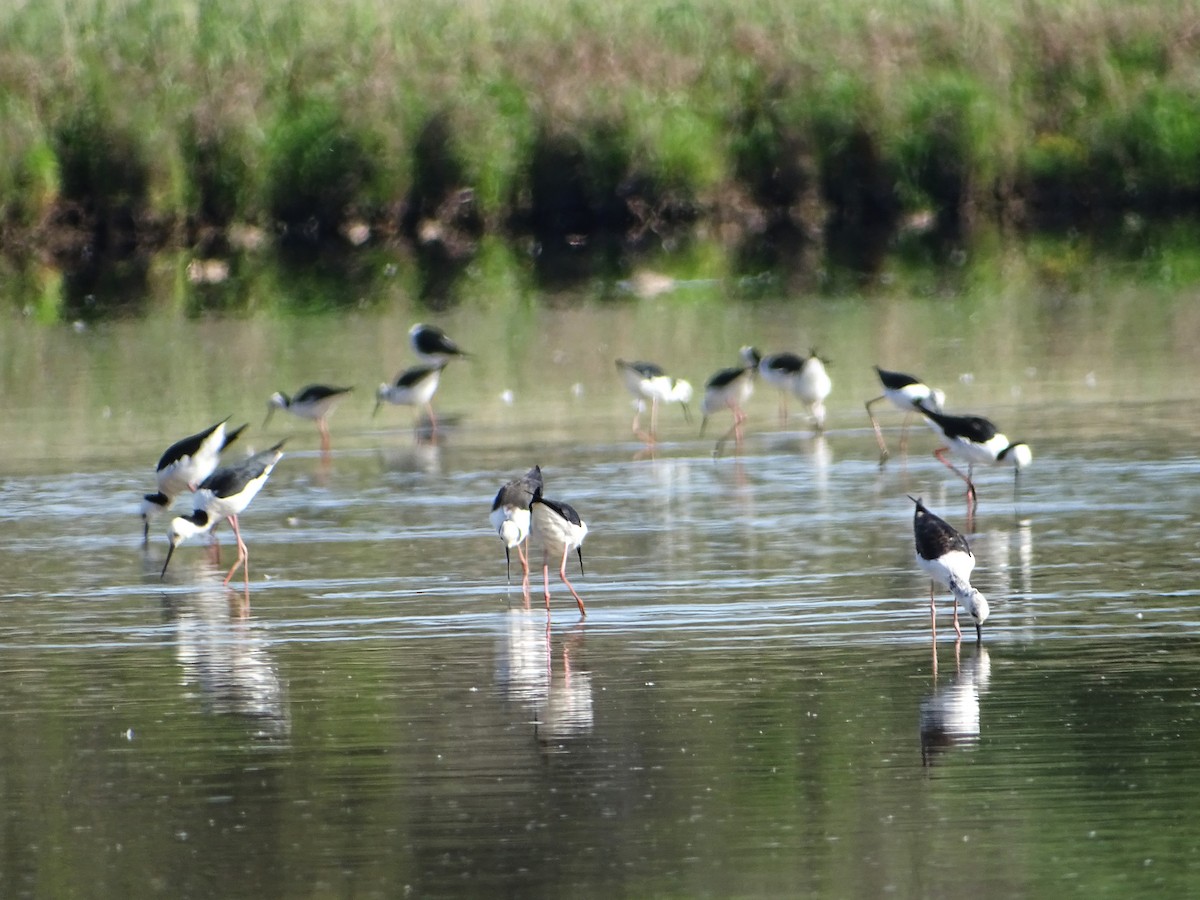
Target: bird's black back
564, 510
316, 392
229, 480
645, 369
189, 445
895, 381
974, 428
430, 339
790, 363
725, 377
417, 374
520, 492
935, 536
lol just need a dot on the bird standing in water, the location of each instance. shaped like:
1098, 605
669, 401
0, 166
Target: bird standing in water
431, 344
976, 440
559, 528
512, 519
413, 387
647, 381
316, 402
730, 389
946, 557
908, 394
182, 467
225, 494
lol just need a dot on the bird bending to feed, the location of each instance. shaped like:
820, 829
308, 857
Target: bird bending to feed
431, 344
225, 494
560, 530
812, 386
907, 393
728, 389
803, 376
976, 440
412, 387
511, 518
185, 464
316, 402
647, 381
946, 557
777, 369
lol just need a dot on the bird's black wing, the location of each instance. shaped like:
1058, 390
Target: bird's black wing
188, 446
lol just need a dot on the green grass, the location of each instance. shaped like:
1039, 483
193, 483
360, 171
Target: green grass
183, 114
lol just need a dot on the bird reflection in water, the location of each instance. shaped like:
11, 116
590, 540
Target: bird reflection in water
226, 656
950, 714
551, 684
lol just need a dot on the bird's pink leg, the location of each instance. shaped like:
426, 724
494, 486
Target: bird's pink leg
940, 453
904, 433
524, 557
883, 450
562, 573
243, 556
932, 612
957, 630
326, 444
546, 576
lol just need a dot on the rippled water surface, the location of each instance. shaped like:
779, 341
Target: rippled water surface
752, 707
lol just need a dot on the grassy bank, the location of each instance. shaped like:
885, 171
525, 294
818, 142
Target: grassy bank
823, 128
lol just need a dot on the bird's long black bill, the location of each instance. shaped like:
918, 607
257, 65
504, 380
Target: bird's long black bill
687, 413
375, 412
508, 564
579, 550
170, 550
978, 633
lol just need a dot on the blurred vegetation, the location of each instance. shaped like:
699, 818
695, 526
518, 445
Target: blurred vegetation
814, 133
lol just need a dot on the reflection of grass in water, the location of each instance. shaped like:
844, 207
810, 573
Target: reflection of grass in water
147, 114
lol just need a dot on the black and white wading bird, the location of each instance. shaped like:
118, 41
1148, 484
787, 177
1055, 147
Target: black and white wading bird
315, 402
945, 556
558, 526
648, 382
182, 467
511, 517
729, 389
812, 386
225, 494
413, 387
431, 344
907, 393
975, 440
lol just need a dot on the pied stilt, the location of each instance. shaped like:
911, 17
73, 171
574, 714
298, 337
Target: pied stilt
225, 494
511, 518
729, 389
316, 402
431, 344
945, 556
777, 369
183, 466
975, 440
904, 392
413, 387
647, 381
560, 530
812, 386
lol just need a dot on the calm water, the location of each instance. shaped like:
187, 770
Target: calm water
751, 708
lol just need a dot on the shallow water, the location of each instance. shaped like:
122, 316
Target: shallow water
752, 705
